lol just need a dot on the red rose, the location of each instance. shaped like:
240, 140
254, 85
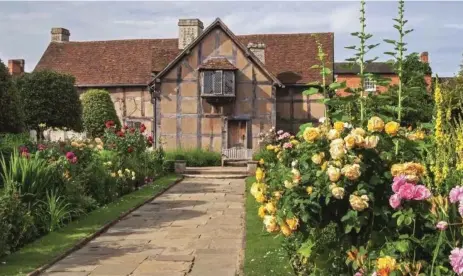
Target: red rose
109, 124
120, 133
142, 128
132, 130
150, 140
130, 149
41, 147
71, 157
126, 127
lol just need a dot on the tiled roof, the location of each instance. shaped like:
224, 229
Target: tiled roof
131, 62
374, 68
217, 63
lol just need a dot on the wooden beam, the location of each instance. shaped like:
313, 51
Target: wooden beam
179, 105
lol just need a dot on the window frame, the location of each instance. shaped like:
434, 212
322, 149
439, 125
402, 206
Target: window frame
214, 82
371, 82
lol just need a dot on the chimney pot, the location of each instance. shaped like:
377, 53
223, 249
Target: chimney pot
16, 67
424, 57
258, 49
60, 35
188, 30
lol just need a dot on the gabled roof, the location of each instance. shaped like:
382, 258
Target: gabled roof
288, 57
218, 24
374, 68
219, 63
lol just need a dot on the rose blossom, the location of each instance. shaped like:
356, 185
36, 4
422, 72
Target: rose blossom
456, 194
280, 132
442, 225
421, 193
71, 157
407, 191
395, 201
287, 145
399, 181
456, 260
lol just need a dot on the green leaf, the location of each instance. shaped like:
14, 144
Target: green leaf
390, 41
400, 220
316, 66
310, 91
337, 85
306, 248
402, 246
348, 229
351, 47
313, 83
408, 221
326, 71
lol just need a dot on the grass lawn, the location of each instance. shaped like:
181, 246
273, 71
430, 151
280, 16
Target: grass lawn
50, 246
264, 255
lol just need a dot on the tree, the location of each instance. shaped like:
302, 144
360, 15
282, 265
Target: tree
97, 110
11, 116
460, 73
51, 98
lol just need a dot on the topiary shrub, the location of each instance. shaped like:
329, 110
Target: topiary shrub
51, 98
97, 110
12, 119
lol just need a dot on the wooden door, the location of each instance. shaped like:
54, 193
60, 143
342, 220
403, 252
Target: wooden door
237, 134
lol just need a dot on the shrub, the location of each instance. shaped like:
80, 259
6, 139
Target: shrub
12, 118
51, 98
97, 110
195, 157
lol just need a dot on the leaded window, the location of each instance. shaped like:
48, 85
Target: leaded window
369, 85
217, 83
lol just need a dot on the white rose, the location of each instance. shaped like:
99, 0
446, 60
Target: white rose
371, 142
333, 173
333, 134
337, 152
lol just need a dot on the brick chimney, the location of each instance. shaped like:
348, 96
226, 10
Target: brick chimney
16, 67
424, 57
258, 49
188, 30
60, 35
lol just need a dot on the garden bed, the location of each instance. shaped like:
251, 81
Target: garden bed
50, 247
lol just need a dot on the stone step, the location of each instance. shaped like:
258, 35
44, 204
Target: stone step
217, 171
236, 163
216, 176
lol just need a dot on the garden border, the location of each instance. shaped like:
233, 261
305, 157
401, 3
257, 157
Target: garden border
103, 229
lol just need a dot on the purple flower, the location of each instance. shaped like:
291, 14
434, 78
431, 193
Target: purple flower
456, 260
407, 191
395, 201
399, 181
442, 225
456, 194
421, 193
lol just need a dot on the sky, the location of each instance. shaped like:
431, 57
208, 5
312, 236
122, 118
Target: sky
438, 25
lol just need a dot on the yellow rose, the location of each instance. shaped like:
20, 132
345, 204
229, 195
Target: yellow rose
259, 174
339, 126
113, 174
74, 144
285, 229
411, 168
309, 190
98, 141
257, 188
99, 147
350, 141
260, 197
277, 195
352, 172
271, 208
386, 263
317, 159
270, 147
337, 192
375, 124
324, 166
294, 142
392, 128
359, 141
333, 134
276, 149
337, 152
270, 223
289, 184
397, 169
311, 134
261, 161
358, 203
333, 173
261, 211
292, 223
358, 131
371, 142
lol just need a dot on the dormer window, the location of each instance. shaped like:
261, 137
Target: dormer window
217, 78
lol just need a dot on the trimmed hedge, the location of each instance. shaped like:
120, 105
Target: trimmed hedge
11, 118
195, 157
98, 108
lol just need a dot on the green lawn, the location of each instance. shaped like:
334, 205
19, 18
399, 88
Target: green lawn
264, 255
50, 246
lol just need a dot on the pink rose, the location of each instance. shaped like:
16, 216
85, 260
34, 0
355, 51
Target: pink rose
395, 201
442, 225
407, 191
280, 132
287, 145
456, 194
421, 193
398, 182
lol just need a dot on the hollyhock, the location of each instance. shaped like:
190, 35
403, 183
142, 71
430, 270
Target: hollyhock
442, 225
456, 194
109, 124
399, 181
456, 260
407, 191
395, 201
142, 128
421, 193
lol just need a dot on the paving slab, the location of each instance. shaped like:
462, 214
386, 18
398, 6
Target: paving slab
194, 228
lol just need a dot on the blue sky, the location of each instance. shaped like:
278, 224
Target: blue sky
25, 26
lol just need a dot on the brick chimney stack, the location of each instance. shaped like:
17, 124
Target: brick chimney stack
16, 67
188, 30
60, 35
424, 57
258, 49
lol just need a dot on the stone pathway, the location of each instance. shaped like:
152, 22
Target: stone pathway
196, 228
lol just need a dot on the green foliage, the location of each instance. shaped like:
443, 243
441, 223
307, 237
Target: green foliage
11, 117
51, 98
195, 157
56, 211
98, 109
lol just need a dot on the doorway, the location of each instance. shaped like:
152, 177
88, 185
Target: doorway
238, 134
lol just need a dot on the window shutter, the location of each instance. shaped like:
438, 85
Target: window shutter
229, 83
218, 82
